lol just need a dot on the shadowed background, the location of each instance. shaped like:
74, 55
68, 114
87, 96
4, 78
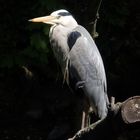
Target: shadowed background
33, 102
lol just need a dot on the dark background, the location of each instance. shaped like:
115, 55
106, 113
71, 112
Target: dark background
34, 104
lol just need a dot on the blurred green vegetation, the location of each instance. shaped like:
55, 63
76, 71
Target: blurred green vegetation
21, 42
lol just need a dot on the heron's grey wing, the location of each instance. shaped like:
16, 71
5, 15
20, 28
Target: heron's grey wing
86, 65
84, 55
73, 79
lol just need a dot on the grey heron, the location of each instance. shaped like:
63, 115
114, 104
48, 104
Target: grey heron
79, 58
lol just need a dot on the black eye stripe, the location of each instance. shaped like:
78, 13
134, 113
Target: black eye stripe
64, 14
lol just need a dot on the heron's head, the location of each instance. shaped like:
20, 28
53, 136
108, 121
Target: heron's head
60, 17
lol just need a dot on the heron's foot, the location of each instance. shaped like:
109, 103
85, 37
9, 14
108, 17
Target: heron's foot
85, 130
80, 133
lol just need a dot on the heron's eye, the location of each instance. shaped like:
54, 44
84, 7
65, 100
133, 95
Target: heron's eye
58, 17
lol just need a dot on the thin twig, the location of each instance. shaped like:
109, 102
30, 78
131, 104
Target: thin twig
94, 33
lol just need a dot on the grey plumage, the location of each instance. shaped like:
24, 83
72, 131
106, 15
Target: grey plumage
87, 63
79, 58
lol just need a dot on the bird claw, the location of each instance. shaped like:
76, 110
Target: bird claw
80, 133
85, 130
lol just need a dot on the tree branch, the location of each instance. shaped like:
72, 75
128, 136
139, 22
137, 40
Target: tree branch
119, 118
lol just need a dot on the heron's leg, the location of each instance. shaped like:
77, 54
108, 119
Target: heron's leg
83, 119
85, 115
90, 111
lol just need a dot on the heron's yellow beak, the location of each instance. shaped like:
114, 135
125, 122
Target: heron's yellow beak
45, 19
